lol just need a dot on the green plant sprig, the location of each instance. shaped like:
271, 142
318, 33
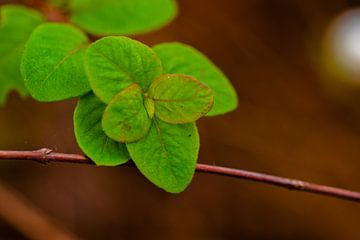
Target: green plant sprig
136, 102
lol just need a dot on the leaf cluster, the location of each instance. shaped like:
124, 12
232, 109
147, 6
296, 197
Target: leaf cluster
147, 109
136, 102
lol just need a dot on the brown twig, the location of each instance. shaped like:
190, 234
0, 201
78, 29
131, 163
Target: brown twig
47, 155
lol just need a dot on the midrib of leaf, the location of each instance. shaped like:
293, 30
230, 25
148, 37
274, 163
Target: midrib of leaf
179, 100
95, 123
67, 56
118, 66
158, 130
183, 99
104, 145
129, 117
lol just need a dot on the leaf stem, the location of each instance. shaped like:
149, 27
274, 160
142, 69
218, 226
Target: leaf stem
45, 156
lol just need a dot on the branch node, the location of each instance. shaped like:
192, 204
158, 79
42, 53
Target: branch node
297, 184
44, 158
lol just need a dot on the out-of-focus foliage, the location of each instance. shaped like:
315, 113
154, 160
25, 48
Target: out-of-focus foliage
122, 17
60, 3
16, 25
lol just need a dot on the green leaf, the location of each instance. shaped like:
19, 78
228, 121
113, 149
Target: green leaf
125, 118
90, 136
180, 98
183, 59
114, 63
122, 17
52, 64
63, 4
167, 154
16, 25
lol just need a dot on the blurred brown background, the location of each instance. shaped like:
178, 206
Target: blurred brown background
286, 125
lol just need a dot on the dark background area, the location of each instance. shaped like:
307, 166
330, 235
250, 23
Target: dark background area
286, 125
